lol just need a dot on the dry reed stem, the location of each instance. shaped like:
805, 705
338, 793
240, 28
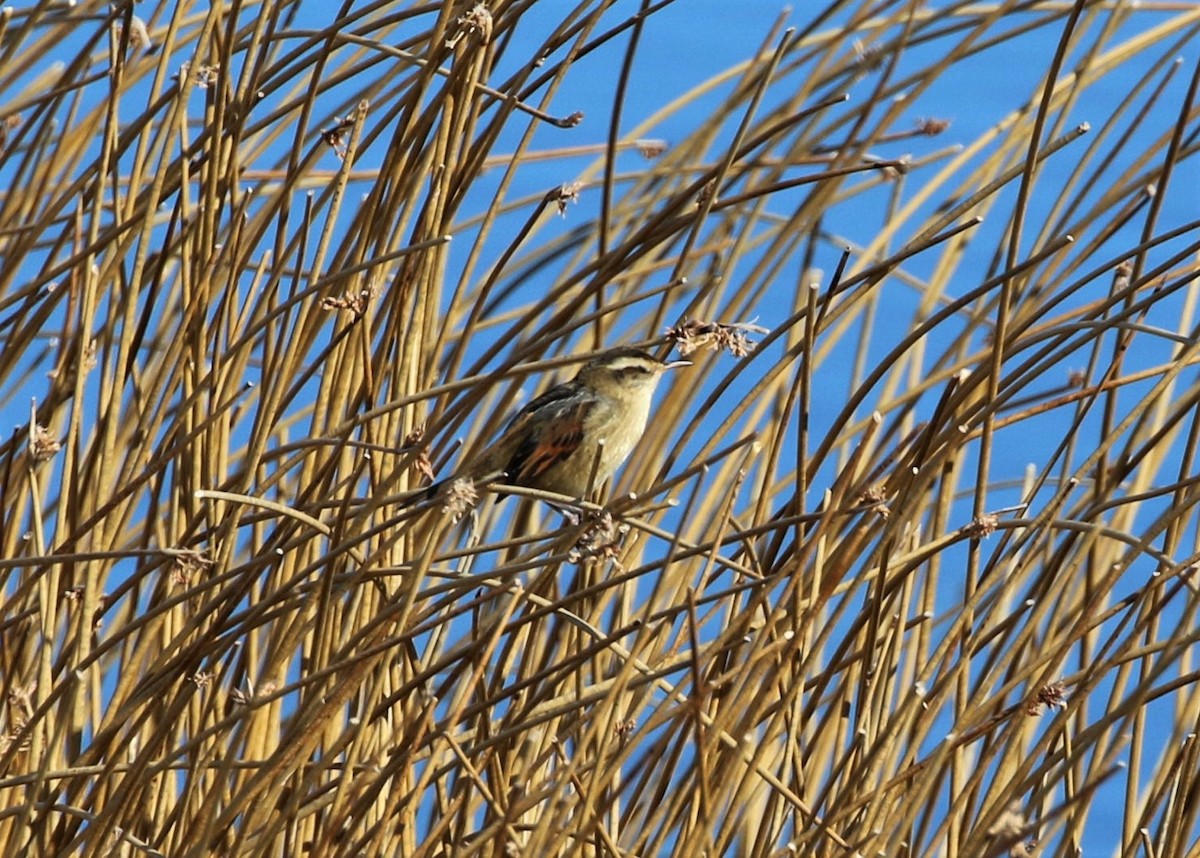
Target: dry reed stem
909, 572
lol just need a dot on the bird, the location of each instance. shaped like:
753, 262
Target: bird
575, 435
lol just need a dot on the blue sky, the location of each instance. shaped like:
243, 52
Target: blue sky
693, 40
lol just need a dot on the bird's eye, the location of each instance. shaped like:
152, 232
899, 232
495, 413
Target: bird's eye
634, 371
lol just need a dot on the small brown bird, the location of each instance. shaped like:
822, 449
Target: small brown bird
576, 434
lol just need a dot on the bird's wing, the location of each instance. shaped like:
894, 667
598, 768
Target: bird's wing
561, 414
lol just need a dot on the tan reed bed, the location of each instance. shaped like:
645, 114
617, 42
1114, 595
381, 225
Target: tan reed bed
904, 566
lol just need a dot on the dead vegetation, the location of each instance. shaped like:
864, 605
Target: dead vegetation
904, 566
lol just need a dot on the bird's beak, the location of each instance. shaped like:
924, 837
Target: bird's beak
675, 364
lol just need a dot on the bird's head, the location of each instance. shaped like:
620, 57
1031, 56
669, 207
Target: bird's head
625, 372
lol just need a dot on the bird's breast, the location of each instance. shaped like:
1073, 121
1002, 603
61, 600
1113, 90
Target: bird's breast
617, 431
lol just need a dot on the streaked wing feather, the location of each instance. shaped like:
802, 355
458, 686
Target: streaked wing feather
562, 435
515, 428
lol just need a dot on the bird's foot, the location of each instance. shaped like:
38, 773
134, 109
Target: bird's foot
572, 515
